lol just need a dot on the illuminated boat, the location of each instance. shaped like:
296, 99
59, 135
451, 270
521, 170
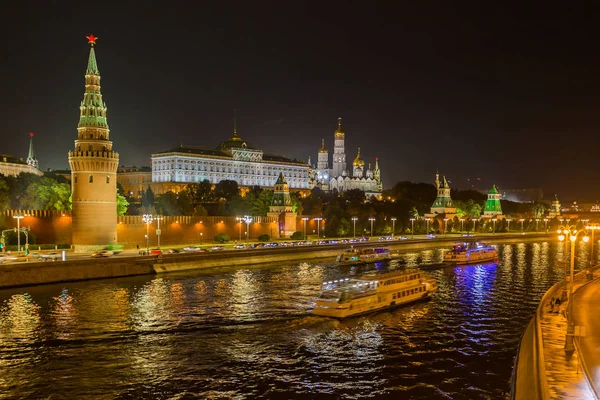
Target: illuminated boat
468, 253
355, 256
351, 297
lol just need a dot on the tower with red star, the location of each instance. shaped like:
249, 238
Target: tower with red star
93, 166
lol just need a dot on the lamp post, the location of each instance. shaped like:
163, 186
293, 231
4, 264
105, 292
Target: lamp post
247, 219
158, 219
536, 224
474, 225
546, 224
354, 219
201, 233
592, 227
394, 226
462, 224
147, 218
304, 220
508, 228
18, 217
371, 219
239, 219
427, 225
412, 227
319, 219
494, 226
570, 232
445, 225
522, 220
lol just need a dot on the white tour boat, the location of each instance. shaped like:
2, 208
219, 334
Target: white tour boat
355, 256
468, 253
350, 297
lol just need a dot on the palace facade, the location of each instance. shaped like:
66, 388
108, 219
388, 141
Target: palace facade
233, 160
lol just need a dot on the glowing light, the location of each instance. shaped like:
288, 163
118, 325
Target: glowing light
92, 39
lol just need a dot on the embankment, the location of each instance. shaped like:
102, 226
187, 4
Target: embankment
36, 273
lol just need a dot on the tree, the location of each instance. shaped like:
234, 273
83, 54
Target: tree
148, 198
122, 204
46, 194
260, 206
167, 204
226, 189
184, 202
538, 210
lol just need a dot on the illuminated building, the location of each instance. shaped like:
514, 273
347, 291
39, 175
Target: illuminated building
338, 178
492, 205
442, 207
233, 160
93, 167
281, 207
11, 166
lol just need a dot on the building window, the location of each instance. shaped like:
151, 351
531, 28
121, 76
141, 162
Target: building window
107, 179
75, 178
91, 179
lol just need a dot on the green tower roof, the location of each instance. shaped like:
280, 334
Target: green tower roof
281, 179
493, 190
92, 67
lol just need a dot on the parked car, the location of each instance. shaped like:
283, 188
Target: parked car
173, 251
239, 246
217, 248
52, 256
102, 254
467, 234
155, 252
431, 236
192, 249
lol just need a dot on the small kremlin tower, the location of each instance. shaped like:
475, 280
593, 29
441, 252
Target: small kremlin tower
282, 209
31, 160
93, 169
492, 204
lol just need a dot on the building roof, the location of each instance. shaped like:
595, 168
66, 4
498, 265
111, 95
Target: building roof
493, 190
219, 153
7, 158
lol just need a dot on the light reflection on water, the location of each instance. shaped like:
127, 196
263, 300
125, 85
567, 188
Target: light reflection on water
247, 333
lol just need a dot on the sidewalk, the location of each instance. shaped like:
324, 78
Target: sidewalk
563, 370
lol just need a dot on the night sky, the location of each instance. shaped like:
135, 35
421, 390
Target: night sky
506, 95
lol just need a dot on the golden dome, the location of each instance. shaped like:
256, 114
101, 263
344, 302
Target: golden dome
339, 132
322, 149
358, 162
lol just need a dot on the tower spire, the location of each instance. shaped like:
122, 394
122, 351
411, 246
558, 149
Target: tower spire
92, 67
234, 123
31, 160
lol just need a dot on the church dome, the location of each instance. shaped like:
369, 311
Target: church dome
358, 162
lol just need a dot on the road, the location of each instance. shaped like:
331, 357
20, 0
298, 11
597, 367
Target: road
585, 313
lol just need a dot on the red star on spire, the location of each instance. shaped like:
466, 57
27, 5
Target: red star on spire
91, 39
376, 158
30, 134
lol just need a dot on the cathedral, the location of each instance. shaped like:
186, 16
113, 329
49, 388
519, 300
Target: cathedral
338, 177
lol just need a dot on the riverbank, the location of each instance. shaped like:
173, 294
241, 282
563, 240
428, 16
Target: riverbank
38, 273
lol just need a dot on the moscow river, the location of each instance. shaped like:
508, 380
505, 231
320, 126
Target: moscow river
248, 333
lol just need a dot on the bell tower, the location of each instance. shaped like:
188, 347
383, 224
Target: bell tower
93, 168
339, 153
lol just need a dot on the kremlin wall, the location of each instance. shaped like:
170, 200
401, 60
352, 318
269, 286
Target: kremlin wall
56, 227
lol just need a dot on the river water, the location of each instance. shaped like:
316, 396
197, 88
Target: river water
247, 333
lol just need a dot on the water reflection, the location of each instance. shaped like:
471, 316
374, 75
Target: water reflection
247, 333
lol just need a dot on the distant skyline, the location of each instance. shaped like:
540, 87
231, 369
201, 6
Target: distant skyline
506, 95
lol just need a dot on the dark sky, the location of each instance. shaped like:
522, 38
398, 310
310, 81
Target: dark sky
507, 95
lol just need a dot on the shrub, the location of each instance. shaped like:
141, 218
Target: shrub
264, 237
221, 238
297, 235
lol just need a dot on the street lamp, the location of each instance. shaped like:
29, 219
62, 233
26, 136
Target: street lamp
158, 219
546, 224
247, 219
305, 219
474, 225
494, 226
18, 217
371, 219
536, 224
427, 225
319, 219
201, 233
394, 226
522, 220
239, 219
147, 218
445, 225
571, 232
508, 228
412, 223
462, 224
592, 227
354, 219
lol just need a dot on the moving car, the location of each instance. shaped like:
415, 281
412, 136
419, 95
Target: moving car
102, 254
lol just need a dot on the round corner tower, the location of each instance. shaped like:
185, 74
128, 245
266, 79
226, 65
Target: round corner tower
93, 169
